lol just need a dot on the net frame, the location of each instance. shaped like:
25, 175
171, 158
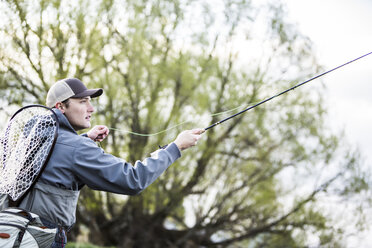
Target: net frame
26, 147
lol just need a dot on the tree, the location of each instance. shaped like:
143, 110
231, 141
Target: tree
254, 181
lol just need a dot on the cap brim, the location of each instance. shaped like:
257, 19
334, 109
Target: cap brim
92, 93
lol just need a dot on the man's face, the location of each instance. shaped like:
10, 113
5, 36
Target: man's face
79, 112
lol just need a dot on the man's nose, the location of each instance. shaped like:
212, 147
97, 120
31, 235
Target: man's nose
90, 108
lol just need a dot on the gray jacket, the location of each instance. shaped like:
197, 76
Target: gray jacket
77, 161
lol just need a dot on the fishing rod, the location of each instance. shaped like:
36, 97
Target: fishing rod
285, 91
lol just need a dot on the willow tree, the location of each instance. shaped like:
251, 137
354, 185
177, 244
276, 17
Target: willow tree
260, 179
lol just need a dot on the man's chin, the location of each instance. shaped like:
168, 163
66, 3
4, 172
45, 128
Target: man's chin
85, 126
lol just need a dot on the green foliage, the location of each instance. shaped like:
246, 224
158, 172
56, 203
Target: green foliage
84, 245
254, 181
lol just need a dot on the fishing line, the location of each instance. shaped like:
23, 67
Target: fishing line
249, 108
175, 126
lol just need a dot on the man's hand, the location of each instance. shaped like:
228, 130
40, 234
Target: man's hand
188, 138
98, 133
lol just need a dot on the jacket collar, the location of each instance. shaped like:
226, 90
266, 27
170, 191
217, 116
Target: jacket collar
63, 121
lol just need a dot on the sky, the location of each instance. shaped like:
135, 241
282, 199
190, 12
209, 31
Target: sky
341, 31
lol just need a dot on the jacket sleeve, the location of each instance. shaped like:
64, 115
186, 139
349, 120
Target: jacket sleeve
102, 171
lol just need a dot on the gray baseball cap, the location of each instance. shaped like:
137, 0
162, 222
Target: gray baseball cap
69, 88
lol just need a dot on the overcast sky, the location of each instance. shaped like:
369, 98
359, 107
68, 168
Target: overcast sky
341, 31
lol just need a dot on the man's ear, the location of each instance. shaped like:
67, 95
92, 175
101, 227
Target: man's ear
60, 106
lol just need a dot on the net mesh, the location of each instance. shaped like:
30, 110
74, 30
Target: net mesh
25, 145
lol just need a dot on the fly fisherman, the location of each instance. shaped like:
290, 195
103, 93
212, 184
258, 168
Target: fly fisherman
77, 161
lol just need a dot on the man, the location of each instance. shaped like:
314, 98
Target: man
77, 160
